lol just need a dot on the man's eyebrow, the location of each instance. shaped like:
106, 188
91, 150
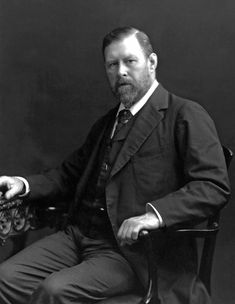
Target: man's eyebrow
111, 61
131, 56
126, 57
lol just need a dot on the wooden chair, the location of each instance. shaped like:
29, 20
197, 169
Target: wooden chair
17, 218
208, 235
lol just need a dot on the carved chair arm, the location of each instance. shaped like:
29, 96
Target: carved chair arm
15, 218
19, 216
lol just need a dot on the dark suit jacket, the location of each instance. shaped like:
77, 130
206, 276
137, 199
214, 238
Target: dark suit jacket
172, 158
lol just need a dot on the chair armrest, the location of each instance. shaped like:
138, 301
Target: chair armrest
209, 231
198, 233
16, 217
7, 205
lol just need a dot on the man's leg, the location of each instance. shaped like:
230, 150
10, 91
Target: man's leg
21, 274
46, 270
103, 273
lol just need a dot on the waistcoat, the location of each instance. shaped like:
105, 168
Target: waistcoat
92, 217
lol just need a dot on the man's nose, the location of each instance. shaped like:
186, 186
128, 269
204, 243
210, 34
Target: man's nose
122, 69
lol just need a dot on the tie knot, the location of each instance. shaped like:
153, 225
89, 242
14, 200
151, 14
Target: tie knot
124, 116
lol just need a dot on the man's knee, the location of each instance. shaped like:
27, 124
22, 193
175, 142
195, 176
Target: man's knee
58, 289
52, 287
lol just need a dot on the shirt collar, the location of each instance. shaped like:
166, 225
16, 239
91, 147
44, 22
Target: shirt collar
139, 104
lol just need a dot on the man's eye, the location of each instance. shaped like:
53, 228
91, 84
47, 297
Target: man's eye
112, 64
131, 61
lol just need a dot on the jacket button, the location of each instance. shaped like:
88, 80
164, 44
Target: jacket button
105, 166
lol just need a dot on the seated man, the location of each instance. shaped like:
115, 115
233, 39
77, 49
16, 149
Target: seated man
153, 161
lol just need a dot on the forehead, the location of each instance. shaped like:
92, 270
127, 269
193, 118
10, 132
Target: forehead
127, 46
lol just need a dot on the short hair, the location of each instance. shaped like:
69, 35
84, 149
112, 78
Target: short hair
122, 32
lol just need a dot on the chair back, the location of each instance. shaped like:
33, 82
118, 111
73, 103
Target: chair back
210, 240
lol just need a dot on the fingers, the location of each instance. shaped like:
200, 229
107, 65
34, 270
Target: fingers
13, 192
129, 231
4, 185
10, 187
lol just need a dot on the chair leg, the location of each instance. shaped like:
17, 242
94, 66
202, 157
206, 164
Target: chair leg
151, 296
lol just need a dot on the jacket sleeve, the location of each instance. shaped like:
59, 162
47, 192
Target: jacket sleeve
206, 188
60, 183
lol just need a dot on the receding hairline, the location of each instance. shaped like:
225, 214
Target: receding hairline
133, 32
121, 33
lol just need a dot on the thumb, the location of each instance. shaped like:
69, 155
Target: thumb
13, 192
13, 187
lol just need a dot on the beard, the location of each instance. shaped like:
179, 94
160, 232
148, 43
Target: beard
129, 91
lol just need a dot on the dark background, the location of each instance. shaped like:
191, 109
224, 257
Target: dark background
53, 86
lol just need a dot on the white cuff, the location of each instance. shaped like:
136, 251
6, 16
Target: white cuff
26, 184
151, 208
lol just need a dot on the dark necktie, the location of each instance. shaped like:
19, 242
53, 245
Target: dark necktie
123, 117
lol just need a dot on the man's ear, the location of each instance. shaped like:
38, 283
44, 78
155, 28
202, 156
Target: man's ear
153, 61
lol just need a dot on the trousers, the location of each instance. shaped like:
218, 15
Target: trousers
65, 267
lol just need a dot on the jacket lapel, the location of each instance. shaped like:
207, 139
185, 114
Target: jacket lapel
148, 119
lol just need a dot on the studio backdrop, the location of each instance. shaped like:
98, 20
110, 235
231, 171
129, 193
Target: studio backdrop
53, 85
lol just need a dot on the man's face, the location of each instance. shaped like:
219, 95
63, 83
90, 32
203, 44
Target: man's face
129, 71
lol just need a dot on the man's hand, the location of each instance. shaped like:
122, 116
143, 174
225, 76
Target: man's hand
129, 231
10, 187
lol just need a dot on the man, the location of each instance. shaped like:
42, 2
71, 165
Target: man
158, 163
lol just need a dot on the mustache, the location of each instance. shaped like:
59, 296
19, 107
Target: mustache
122, 82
